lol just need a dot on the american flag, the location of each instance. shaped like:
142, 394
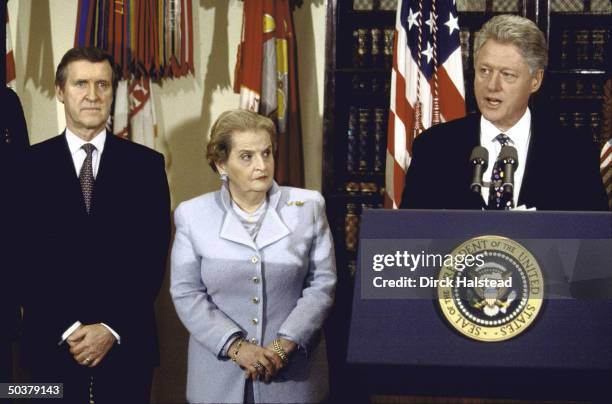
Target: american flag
605, 166
426, 81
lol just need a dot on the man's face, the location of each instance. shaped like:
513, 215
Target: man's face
87, 96
503, 84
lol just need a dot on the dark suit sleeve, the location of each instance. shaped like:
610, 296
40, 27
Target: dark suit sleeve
159, 219
11, 242
7, 299
585, 182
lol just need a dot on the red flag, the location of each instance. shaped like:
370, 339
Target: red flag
266, 78
426, 82
11, 77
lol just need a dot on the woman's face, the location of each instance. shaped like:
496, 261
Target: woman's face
250, 165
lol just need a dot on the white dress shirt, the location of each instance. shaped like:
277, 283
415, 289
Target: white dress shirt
75, 144
519, 136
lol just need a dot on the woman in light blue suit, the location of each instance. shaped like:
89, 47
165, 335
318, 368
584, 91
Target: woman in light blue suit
253, 275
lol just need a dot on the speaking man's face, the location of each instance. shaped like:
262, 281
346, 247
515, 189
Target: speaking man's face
503, 83
87, 96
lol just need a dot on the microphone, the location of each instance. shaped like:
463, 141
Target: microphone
509, 160
480, 161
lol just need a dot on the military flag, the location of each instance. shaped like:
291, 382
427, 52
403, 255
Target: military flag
266, 78
151, 38
11, 77
134, 114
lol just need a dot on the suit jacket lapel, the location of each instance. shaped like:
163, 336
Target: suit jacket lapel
109, 174
232, 229
67, 175
108, 160
272, 228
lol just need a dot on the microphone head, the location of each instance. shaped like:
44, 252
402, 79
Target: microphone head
509, 155
480, 155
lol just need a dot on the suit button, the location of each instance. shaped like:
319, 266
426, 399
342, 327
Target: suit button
255, 279
254, 341
255, 321
254, 260
255, 300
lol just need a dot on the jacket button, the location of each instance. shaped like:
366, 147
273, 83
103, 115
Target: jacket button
255, 321
254, 341
255, 279
255, 300
254, 260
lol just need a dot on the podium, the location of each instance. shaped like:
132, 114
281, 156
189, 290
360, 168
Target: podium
405, 345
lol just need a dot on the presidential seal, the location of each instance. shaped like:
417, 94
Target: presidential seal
495, 296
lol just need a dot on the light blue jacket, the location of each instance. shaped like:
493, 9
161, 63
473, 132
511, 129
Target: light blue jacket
222, 283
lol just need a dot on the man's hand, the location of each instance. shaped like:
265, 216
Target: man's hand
89, 344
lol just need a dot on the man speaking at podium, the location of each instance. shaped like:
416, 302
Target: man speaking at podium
538, 164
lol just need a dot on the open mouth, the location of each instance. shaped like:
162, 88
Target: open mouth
493, 102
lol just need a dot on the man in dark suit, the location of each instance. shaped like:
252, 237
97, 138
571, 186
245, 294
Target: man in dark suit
13, 144
100, 228
8, 306
557, 170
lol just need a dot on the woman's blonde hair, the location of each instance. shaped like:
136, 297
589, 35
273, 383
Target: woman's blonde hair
232, 121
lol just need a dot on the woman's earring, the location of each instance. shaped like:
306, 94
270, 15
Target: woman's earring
223, 177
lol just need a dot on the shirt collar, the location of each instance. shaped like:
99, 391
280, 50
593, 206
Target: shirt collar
75, 142
519, 133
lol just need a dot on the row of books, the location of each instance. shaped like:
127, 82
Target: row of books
580, 48
373, 47
371, 84
588, 121
351, 223
498, 6
366, 140
369, 5
514, 6
580, 88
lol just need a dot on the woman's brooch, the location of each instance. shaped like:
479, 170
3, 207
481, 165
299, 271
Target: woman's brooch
296, 203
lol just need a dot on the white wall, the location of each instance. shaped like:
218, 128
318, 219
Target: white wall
43, 30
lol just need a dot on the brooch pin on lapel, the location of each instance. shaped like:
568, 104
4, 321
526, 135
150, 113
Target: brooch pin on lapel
296, 203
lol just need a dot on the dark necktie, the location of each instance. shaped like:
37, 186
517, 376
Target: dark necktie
86, 175
496, 191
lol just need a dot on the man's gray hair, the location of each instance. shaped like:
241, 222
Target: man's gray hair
520, 32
